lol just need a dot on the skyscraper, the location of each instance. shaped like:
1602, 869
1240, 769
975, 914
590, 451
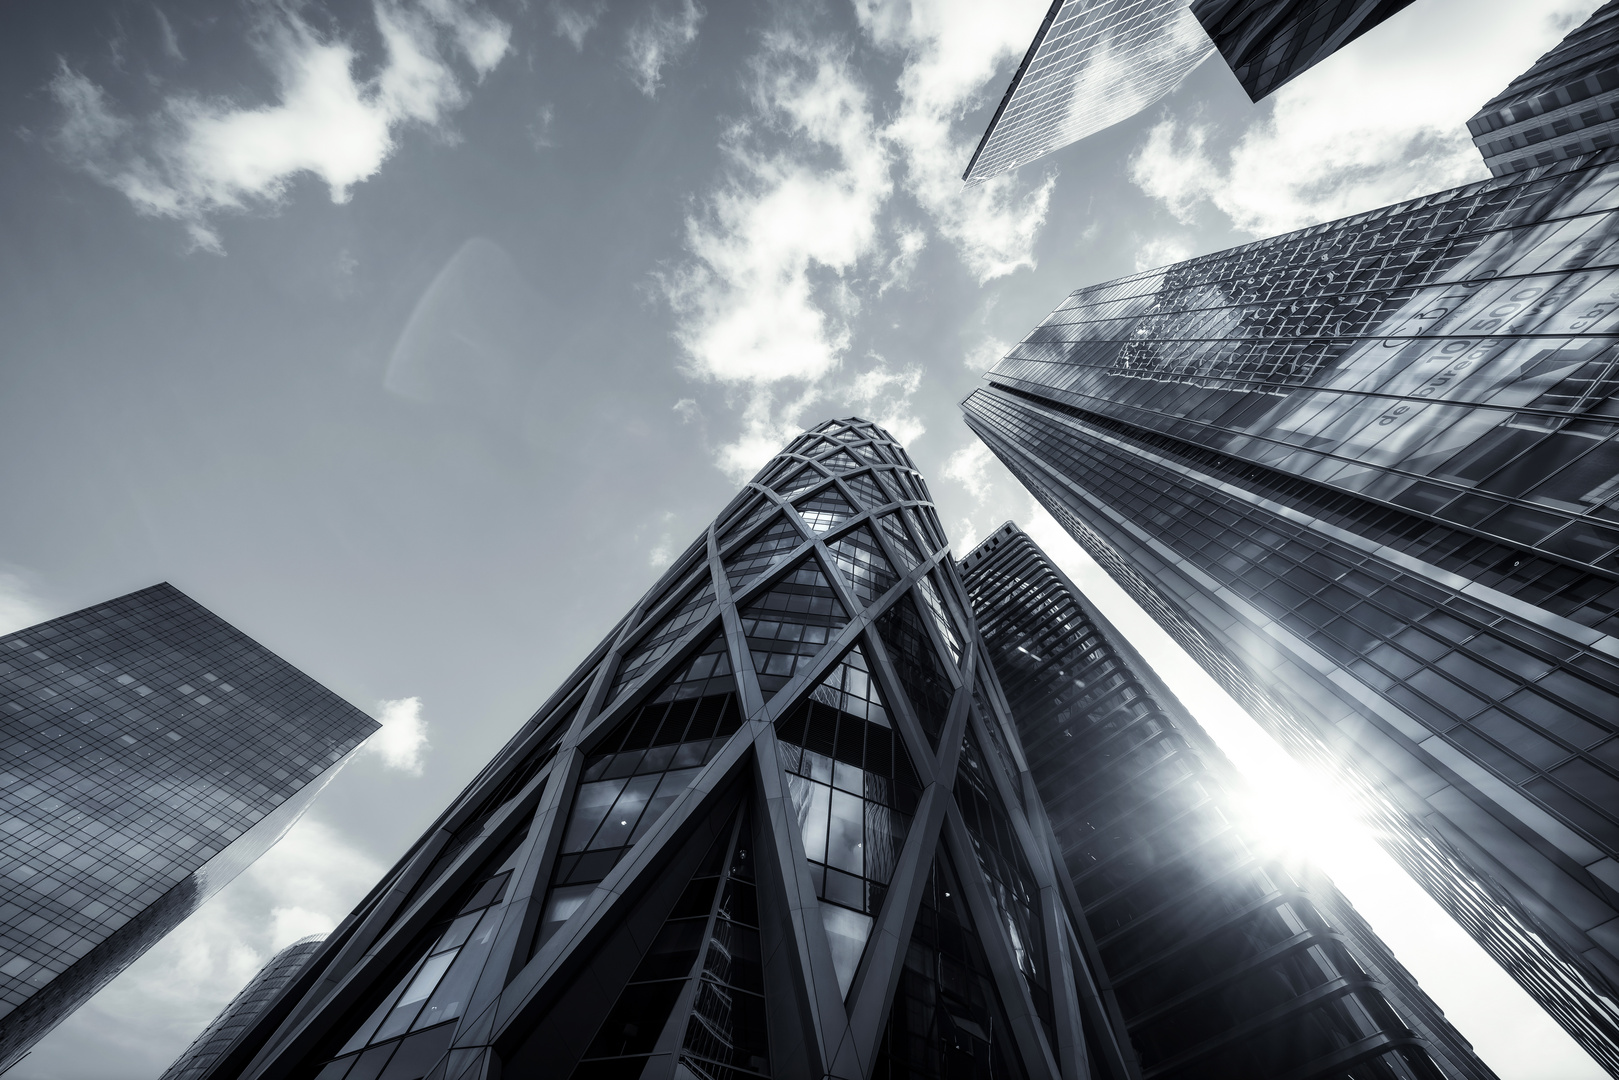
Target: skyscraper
151, 751
775, 825
1268, 42
1365, 474
1092, 64
761, 831
1223, 957
1562, 107
244, 1009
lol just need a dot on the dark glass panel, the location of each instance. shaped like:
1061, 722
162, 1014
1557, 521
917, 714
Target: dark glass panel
920, 672
788, 624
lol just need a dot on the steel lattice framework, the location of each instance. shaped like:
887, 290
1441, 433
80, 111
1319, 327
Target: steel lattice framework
775, 825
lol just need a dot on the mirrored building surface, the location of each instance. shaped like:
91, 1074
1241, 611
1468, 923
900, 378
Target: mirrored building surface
775, 825
1562, 107
151, 752
1223, 956
1268, 42
1367, 475
1092, 64
244, 1010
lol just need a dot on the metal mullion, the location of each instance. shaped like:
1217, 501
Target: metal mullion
586, 732
871, 995
612, 891
296, 1044
1070, 1048
532, 878
749, 697
903, 712
1099, 1000
1027, 1030
826, 1021
672, 1039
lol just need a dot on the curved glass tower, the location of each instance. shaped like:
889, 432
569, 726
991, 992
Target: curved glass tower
776, 826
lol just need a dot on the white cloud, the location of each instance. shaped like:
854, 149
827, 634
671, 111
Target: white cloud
1380, 121
910, 243
952, 49
969, 467
196, 158
147, 1015
19, 608
986, 354
573, 24
539, 132
1161, 251
763, 298
658, 38
402, 741
884, 395
171, 41
664, 551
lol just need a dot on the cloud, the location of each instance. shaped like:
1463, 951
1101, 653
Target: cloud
402, 742
664, 551
883, 394
574, 24
171, 41
986, 354
539, 132
910, 243
658, 38
196, 158
1381, 121
147, 1015
969, 467
763, 298
1161, 251
952, 49
19, 607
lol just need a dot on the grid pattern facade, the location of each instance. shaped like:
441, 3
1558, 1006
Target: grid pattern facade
1562, 107
246, 1007
1268, 42
1380, 514
1224, 959
1093, 64
151, 751
791, 843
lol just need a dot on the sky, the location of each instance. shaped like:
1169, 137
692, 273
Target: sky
415, 337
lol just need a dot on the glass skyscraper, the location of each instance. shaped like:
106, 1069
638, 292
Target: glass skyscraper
149, 752
1223, 957
1562, 107
244, 1009
775, 825
1367, 474
1268, 42
1093, 63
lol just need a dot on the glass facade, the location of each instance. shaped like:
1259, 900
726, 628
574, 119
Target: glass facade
1093, 64
151, 751
1365, 474
246, 1007
1562, 107
1224, 959
1268, 42
773, 826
